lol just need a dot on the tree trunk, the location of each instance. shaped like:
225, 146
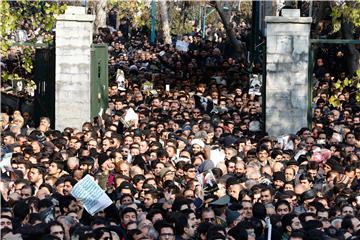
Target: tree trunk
165, 21
229, 31
100, 14
353, 62
183, 15
323, 10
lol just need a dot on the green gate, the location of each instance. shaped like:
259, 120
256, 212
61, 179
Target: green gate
99, 79
44, 77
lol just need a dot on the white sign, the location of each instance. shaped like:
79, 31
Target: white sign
217, 156
131, 116
120, 79
255, 85
91, 195
5, 163
182, 46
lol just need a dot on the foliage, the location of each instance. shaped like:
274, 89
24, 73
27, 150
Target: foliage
353, 84
346, 10
139, 12
37, 18
182, 17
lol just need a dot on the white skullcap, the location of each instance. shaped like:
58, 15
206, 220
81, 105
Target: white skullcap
198, 142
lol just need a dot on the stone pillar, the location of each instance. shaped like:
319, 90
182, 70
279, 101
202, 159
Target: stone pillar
74, 33
287, 48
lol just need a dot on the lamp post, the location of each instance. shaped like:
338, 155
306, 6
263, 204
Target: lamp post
153, 15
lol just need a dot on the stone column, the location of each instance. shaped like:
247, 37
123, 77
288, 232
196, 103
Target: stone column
287, 48
74, 33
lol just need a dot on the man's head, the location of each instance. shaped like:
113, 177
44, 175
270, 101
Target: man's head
150, 198
4, 120
208, 215
306, 181
69, 182
282, 207
267, 195
166, 232
36, 174
191, 217
290, 222
230, 166
8, 138
128, 215
5, 222
27, 191
262, 154
189, 171
183, 227
68, 204
347, 210
350, 224
44, 124
289, 173
155, 215
86, 164
55, 168
57, 230
247, 209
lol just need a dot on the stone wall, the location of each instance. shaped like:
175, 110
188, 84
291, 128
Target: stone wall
287, 72
74, 31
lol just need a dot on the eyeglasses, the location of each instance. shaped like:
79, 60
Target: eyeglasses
166, 235
190, 197
192, 171
209, 219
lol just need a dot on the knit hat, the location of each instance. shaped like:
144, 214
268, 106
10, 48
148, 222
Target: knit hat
103, 157
292, 162
222, 201
201, 135
279, 176
231, 216
334, 164
125, 185
87, 160
309, 194
186, 127
198, 142
164, 171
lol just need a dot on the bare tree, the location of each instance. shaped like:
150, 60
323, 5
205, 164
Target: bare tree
165, 21
100, 14
229, 31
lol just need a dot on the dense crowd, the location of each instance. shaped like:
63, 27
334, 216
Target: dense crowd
194, 163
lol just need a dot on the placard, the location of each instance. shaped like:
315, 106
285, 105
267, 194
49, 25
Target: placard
91, 195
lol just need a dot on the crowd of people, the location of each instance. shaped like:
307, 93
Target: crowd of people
194, 162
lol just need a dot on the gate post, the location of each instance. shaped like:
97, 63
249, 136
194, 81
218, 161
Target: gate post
287, 82
74, 33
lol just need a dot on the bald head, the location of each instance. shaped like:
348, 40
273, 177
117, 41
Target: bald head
299, 189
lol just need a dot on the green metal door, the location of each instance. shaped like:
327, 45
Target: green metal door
44, 76
99, 79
